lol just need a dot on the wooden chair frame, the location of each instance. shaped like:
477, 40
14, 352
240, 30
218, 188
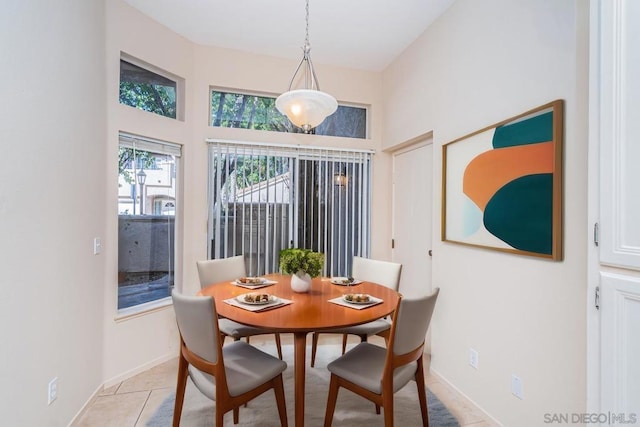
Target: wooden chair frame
224, 402
363, 337
201, 266
385, 399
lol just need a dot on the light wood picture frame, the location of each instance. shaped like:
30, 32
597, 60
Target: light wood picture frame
502, 185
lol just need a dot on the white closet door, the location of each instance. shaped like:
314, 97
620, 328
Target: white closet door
615, 98
412, 217
619, 115
620, 365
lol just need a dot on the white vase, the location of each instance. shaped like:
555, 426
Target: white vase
300, 282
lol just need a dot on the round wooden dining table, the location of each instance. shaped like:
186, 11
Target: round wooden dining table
310, 311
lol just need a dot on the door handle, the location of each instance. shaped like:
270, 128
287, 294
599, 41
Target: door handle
430, 252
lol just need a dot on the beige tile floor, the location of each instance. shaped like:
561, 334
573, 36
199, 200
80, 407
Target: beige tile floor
133, 401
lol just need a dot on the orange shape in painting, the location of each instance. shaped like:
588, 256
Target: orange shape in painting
491, 170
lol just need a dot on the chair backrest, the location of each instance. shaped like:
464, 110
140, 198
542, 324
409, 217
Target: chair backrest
199, 331
219, 270
412, 321
383, 272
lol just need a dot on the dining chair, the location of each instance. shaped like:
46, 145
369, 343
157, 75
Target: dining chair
370, 270
231, 375
376, 372
228, 269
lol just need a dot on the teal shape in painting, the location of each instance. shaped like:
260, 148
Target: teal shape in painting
521, 213
530, 131
471, 217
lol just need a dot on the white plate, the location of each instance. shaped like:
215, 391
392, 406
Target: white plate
252, 281
340, 281
241, 299
369, 301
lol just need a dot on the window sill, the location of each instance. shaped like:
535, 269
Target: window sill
143, 309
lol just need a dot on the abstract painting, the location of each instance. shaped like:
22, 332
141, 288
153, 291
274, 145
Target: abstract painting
502, 185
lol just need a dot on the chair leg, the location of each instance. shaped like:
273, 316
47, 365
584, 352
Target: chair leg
236, 415
387, 403
219, 418
377, 409
344, 342
384, 334
180, 389
331, 401
314, 347
279, 346
278, 389
422, 394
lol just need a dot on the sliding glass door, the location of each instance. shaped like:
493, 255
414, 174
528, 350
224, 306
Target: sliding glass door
264, 198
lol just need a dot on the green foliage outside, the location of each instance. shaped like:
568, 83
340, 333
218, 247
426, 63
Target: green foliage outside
155, 98
252, 170
236, 110
293, 260
249, 170
127, 155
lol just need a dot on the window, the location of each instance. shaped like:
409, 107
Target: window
238, 110
147, 171
265, 198
147, 90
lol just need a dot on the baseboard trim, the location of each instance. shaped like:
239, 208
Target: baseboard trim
86, 405
118, 379
471, 401
135, 371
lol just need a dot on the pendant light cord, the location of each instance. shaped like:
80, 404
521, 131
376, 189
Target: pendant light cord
310, 78
306, 39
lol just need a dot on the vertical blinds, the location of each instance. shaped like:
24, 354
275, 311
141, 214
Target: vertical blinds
264, 198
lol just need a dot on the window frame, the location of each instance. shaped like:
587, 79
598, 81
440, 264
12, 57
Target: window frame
180, 85
127, 140
366, 108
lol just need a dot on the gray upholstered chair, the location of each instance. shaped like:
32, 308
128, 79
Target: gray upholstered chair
228, 269
376, 373
229, 375
370, 270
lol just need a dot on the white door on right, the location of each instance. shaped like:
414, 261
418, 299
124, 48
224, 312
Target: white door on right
412, 216
615, 102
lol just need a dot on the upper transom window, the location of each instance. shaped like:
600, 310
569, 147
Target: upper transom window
148, 90
245, 111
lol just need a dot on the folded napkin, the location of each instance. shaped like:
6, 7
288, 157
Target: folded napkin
254, 285
358, 306
279, 302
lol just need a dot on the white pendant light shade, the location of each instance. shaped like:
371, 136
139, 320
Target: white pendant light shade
306, 108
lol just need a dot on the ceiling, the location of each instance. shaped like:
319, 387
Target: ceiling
361, 34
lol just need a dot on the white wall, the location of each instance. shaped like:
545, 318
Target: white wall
53, 120
480, 63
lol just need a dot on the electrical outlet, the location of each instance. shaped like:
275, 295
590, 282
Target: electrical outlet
473, 358
52, 390
517, 388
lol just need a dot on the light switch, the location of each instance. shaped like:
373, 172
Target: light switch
97, 245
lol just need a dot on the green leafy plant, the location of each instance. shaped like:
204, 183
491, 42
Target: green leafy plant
293, 260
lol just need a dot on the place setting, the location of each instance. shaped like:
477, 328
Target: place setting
253, 282
257, 301
356, 301
344, 281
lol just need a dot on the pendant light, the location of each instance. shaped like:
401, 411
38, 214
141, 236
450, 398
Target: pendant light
308, 107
